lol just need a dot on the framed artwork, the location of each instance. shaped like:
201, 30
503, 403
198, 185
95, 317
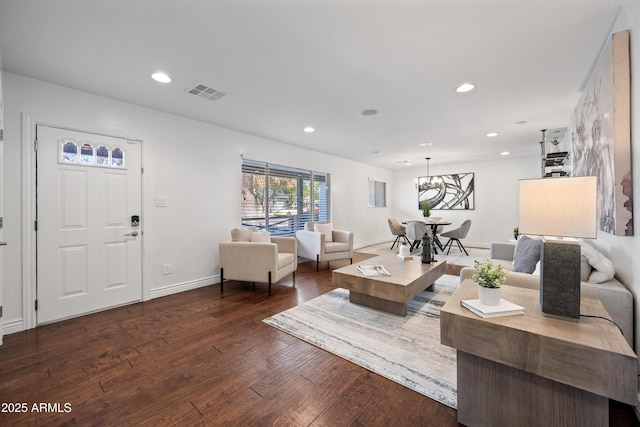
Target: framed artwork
447, 191
600, 131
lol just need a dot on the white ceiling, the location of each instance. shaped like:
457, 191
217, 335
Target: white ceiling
287, 64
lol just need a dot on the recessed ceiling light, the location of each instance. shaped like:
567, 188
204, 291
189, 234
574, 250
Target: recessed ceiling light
309, 129
492, 134
424, 144
505, 153
161, 77
370, 112
465, 87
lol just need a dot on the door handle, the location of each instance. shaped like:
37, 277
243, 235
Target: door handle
3, 243
133, 233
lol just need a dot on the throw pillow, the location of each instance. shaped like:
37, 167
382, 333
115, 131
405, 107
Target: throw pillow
260, 237
527, 255
585, 269
240, 235
324, 229
603, 269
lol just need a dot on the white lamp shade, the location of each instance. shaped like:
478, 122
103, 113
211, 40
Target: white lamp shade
563, 207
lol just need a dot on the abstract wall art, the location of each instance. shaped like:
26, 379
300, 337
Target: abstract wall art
600, 131
447, 191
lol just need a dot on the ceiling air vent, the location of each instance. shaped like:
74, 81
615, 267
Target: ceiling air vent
206, 92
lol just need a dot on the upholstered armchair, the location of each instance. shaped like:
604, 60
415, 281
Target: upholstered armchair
253, 256
320, 242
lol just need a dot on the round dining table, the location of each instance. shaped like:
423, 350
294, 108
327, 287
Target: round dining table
433, 225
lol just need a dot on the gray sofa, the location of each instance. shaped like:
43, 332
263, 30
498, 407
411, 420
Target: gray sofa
615, 298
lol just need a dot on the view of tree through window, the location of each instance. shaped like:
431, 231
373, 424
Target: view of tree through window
281, 199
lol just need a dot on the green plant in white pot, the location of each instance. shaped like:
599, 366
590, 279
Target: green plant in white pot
489, 280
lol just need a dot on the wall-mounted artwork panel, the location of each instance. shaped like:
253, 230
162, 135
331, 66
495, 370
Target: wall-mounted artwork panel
601, 136
447, 191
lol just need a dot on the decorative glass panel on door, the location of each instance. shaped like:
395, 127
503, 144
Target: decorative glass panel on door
102, 155
117, 157
86, 154
69, 152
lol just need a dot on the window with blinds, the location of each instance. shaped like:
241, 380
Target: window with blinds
281, 199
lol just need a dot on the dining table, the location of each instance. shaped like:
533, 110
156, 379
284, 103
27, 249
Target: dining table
433, 225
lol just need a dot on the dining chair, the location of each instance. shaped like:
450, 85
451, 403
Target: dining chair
415, 232
456, 235
398, 230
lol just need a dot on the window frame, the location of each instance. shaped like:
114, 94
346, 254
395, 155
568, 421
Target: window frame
266, 208
377, 194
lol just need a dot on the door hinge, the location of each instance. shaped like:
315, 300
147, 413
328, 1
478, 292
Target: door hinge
0, 311
36, 301
35, 225
1, 134
142, 170
1, 222
35, 145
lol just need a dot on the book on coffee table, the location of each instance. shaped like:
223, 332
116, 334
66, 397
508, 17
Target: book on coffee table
505, 308
373, 270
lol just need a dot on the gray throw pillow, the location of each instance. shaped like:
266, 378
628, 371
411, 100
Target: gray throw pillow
527, 255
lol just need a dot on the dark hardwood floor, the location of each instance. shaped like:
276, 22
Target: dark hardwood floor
202, 358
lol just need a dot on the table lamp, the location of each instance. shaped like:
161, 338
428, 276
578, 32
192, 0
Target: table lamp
560, 207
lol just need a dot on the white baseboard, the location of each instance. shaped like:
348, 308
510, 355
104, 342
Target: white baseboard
12, 326
360, 245
184, 286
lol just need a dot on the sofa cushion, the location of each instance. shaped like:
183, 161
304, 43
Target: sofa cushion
603, 269
324, 229
285, 259
527, 255
260, 237
336, 247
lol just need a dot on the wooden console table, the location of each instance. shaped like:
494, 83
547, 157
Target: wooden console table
535, 370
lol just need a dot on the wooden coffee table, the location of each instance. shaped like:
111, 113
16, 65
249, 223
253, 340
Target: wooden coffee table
388, 293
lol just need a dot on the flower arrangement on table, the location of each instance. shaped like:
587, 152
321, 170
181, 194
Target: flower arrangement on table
489, 276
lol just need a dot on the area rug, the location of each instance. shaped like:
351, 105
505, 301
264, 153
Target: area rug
455, 257
406, 350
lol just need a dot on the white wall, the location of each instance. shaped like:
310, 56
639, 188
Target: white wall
195, 166
496, 196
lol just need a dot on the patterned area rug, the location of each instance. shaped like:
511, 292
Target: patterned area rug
455, 257
406, 350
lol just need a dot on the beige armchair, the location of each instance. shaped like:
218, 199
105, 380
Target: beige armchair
320, 242
255, 257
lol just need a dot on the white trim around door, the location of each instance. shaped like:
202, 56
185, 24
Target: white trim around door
29, 202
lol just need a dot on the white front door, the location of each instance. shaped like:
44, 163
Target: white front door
88, 248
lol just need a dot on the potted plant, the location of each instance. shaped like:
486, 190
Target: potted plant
426, 208
516, 233
489, 280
